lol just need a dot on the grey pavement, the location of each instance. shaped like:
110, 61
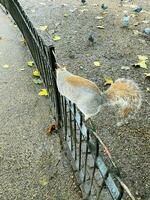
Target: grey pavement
31, 163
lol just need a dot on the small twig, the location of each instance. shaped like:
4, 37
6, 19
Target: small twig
125, 188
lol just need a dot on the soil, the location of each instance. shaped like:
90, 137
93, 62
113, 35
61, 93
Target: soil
117, 49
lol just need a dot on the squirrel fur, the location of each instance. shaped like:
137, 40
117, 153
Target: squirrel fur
123, 94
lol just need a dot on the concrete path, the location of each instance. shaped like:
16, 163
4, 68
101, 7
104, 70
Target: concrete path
31, 164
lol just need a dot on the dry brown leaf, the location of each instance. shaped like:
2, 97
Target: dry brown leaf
51, 127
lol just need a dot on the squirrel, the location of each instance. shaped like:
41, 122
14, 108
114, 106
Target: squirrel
123, 94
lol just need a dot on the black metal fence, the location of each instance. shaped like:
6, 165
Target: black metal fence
92, 164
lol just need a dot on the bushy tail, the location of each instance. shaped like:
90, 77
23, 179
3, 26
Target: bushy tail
125, 95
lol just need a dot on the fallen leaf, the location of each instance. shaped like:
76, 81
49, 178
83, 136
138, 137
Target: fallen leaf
53, 126
142, 58
97, 63
66, 15
23, 41
147, 89
100, 27
125, 67
108, 81
43, 181
84, 10
43, 28
43, 92
37, 81
36, 73
5, 66
99, 17
30, 63
56, 38
141, 64
22, 69
147, 75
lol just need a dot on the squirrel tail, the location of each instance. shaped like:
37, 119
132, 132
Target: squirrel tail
125, 95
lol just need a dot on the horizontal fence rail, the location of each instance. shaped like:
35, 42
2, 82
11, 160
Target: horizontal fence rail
95, 171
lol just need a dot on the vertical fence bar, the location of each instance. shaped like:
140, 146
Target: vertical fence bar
80, 141
86, 156
75, 132
71, 128
52, 61
65, 120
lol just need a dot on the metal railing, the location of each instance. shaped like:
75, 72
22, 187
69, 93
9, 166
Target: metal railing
92, 164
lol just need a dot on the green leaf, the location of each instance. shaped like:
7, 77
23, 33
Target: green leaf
142, 62
66, 15
97, 63
36, 73
30, 63
43, 28
56, 38
37, 81
108, 81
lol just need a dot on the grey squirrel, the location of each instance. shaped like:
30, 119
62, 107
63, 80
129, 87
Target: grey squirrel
123, 93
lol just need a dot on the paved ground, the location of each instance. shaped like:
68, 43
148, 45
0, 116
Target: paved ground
31, 164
